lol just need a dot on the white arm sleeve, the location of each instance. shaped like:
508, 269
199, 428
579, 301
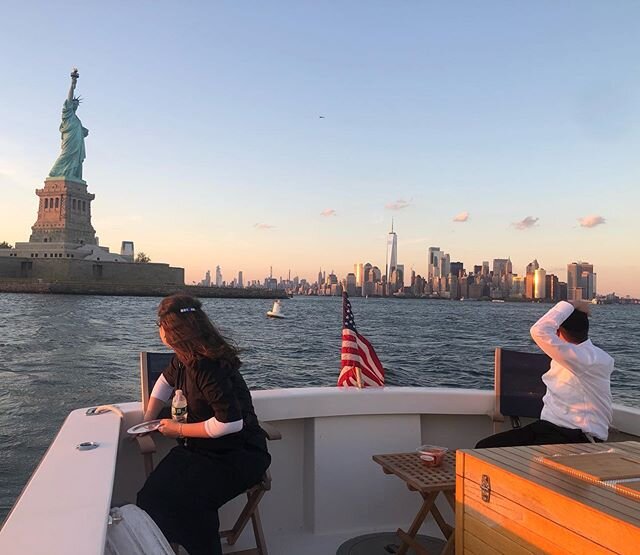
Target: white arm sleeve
215, 428
544, 333
162, 390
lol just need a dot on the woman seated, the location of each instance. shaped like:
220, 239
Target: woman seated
222, 450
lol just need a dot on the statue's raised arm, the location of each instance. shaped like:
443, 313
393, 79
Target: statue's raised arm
74, 80
72, 152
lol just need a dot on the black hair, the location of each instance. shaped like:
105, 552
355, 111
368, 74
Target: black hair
576, 326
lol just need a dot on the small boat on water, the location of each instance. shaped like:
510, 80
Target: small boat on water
276, 310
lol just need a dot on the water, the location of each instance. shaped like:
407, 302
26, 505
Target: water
64, 352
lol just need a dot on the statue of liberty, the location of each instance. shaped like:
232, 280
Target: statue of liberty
72, 153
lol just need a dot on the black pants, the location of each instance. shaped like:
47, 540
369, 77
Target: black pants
183, 494
539, 432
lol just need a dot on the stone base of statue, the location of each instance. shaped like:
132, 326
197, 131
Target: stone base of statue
64, 213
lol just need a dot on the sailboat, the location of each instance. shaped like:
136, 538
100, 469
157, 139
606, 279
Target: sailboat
276, 310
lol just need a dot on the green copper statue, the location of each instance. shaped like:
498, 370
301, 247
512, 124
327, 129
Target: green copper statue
72, 154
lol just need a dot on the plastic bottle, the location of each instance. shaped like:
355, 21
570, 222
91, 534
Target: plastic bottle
179, 407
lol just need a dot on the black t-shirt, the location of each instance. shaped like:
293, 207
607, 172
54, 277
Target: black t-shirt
215, 389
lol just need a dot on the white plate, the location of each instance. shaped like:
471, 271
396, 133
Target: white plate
145, 427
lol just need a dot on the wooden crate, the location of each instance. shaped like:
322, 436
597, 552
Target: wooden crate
509, 501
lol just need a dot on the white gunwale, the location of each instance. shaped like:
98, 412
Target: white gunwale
325, 489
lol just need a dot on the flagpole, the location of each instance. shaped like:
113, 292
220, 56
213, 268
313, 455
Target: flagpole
358, 377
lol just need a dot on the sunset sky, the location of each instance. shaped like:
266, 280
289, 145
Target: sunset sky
488, 129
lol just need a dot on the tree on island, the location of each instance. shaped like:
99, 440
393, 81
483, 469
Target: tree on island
5, 245
142, 258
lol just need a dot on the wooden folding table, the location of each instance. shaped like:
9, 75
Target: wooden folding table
429, 482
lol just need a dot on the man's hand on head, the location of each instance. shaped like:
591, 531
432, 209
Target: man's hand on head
582, 306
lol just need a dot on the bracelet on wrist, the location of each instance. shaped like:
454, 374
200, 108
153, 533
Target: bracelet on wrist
180, 431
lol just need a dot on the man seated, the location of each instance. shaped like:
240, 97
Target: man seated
577, 406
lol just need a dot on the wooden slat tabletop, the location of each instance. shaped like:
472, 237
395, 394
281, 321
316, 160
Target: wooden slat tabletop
410, 468
526, 463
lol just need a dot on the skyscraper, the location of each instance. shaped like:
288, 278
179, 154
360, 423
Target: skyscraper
529, 284
539, 284
366, 273
350, 284
581, 281
502, 267
434, 263
446, 265
218, 277
553, 288
392, 251
457, 269
240, 280
358, 270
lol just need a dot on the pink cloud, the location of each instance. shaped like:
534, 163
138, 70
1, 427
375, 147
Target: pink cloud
263, 226
591, 221
397, 205
527, 223
462, 217
327, 212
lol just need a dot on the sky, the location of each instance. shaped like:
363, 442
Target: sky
488, 129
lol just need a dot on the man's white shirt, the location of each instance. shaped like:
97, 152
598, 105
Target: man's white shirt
578, 381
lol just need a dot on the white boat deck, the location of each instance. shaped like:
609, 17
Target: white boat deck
326, 489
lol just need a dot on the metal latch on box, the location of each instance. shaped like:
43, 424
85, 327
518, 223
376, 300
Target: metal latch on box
485, 488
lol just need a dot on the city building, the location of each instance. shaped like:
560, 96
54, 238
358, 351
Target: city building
553, 288
358, 270
434, 263
240, 281
457, 269
539, 284
502, 267
581, 281
127, 251
350, 284
529, 284
517, 286
392, 252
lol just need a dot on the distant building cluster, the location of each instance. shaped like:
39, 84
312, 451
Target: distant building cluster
444, 279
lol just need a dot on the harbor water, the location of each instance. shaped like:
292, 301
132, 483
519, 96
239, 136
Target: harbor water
61, 352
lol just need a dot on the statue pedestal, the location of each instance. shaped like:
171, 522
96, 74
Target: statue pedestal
64, 213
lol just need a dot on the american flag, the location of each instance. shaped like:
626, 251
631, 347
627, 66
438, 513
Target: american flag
359, 364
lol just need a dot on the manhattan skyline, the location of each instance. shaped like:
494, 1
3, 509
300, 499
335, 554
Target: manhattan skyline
490, 130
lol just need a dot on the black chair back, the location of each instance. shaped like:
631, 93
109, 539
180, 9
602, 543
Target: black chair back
151, 366
519, 388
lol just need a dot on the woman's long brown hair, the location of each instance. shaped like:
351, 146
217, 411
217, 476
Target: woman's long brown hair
192, 335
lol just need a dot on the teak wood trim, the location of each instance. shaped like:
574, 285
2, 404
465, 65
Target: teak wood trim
519, 462
544, 506
504, 543
459, 499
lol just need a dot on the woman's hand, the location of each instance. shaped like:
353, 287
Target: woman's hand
170, 428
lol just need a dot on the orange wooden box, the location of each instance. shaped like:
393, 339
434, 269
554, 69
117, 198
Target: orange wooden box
508, 501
